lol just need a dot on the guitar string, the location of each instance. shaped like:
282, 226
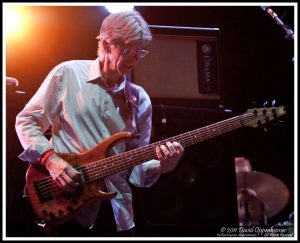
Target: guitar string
186, 139
125, 165
47, 191
109, 159
182, 141
192, 138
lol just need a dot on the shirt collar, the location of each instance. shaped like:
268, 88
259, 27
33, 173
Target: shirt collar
95, 73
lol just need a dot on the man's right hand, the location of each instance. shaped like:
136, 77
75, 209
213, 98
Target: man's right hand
62, 173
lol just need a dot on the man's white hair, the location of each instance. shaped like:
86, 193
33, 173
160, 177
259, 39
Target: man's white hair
127, 26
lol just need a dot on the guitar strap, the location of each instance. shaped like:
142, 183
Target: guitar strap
132, 97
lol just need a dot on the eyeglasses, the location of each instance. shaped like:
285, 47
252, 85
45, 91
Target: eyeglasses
141, 53
127, 51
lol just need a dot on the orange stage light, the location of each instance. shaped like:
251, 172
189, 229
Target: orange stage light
16, 22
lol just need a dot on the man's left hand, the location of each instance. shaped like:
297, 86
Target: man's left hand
169, 156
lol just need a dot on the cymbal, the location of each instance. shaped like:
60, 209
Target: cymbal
271, 191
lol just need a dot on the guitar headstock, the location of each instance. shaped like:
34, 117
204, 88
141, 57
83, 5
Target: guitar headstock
259, 116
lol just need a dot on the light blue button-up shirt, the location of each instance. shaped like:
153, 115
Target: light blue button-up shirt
83, 111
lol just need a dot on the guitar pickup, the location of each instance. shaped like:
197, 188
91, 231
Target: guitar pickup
44, 194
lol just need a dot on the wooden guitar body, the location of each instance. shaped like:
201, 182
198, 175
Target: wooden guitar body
53, 205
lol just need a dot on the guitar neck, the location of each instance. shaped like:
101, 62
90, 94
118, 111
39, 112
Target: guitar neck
111, 165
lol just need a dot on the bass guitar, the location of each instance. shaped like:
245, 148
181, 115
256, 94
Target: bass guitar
53, 205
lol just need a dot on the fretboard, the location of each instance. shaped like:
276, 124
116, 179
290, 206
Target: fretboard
111, 165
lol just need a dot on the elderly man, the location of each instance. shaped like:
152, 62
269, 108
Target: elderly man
85, 102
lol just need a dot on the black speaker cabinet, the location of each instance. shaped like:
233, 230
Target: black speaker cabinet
199, 196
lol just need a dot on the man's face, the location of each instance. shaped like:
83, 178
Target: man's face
124, 57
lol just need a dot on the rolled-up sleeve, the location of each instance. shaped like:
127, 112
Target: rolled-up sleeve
37, 116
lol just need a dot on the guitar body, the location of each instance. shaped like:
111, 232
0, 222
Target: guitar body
50, 203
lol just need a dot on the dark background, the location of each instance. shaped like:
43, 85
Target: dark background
199, 196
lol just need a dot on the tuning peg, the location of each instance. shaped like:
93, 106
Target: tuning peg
273, 103
265, 104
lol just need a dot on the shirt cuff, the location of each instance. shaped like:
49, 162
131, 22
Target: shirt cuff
33, 154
